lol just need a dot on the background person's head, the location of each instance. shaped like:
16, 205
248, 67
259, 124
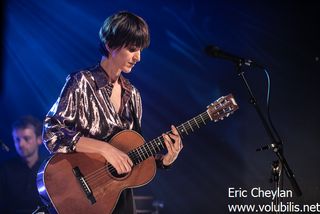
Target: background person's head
26, 133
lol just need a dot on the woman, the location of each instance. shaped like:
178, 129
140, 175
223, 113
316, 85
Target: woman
97, 103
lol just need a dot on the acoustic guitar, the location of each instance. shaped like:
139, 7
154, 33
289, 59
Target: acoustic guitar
86, 183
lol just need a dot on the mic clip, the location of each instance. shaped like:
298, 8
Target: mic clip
274, 147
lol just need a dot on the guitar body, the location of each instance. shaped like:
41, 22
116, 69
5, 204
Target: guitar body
64, 192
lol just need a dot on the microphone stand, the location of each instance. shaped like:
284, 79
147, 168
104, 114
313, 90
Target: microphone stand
276, 146
276, 174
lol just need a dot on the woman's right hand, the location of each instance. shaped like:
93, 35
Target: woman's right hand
118, 159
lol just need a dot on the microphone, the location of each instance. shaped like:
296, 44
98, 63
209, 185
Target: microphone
214, 51
4, 146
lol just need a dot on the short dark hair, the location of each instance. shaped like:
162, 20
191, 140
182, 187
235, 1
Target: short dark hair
27, 121
123, 29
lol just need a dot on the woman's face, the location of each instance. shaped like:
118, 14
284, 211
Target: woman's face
125, 58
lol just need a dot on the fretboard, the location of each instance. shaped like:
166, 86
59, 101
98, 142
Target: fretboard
154, 146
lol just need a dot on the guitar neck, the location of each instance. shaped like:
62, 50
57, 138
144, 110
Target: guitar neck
156, 145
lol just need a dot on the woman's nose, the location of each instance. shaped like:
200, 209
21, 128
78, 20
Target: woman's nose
136, 56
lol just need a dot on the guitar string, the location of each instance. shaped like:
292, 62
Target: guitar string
111, 169
135, 151
196, 120
99, 184
96, 174
136, 154
102, 173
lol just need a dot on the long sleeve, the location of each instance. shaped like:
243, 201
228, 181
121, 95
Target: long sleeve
59, 134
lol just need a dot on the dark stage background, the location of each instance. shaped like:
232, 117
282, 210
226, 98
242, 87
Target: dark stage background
44, 41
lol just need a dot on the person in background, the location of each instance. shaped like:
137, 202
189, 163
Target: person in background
18, 188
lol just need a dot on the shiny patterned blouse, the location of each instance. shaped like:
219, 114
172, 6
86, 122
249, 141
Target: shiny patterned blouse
84, 109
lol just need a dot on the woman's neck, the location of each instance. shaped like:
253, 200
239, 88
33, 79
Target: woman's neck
112, 72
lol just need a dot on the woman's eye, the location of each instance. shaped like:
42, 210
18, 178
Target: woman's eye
134, 49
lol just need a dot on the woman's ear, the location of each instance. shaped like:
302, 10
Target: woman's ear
107, 47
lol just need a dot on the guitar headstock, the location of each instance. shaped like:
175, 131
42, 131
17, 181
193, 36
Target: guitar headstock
222, 107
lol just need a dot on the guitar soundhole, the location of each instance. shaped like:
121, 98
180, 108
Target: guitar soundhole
114, 173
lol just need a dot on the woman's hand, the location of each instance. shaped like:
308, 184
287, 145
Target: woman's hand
173, 148
118, 159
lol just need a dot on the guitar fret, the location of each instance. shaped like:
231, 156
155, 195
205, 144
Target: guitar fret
134, 157
146, 145
144, 157
202, 119
152, 144
180, 129
139, 155
196, 122
147, 150
185, 129
162, 142
208, 117
190, 126
138, 158
157, 143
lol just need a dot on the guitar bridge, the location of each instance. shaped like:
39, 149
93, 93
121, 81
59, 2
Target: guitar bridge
84, 185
